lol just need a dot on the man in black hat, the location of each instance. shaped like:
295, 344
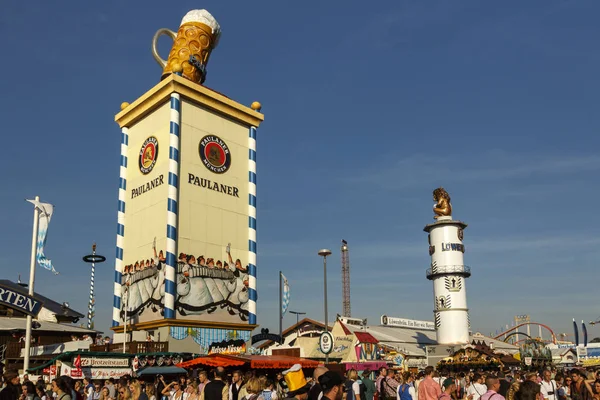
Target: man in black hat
315, 390
332, 385
11, 391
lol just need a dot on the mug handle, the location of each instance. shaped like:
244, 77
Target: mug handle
161, 31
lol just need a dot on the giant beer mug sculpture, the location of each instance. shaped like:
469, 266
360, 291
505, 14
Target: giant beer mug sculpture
197, 36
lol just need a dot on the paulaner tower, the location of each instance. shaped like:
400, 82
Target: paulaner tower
186, 268
448, 272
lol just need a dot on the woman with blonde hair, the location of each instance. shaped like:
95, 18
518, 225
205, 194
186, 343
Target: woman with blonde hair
104, 394
124, 394
192, 391
352, 386
253, 387
136, 390
150, 391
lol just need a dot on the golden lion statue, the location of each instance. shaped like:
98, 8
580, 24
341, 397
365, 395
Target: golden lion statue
442, 206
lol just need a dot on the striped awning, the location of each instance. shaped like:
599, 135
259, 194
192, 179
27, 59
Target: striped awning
215, 360
254, 361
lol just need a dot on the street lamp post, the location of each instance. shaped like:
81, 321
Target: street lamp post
298, 314
324, 253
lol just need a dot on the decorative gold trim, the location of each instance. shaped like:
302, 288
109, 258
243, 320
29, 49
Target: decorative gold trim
183, 322
191, 91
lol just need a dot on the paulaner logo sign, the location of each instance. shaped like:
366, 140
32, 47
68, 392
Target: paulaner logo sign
19, 302
148, 155
215, 154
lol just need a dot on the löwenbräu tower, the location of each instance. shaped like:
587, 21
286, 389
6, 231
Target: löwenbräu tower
448, 272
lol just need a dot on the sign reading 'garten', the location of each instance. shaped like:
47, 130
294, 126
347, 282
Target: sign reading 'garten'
19, 302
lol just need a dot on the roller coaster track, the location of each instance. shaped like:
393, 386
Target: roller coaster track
514, 329
517, 333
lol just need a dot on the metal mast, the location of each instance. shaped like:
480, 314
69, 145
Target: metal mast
92, 259
345, 279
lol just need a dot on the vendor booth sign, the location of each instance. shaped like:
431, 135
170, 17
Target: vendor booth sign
105, 362
93, 373
228, 347
265, 335
20, 302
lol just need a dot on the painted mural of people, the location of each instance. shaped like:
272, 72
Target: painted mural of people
238, 262
157, 281
238, 293
131, 299
199, 296
183, 286
158, 284
159, 259
202, 284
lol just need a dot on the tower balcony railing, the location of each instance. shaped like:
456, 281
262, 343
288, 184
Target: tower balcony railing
132, 347
439, 270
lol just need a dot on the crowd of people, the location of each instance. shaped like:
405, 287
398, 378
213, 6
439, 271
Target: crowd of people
218, 384
548, 384
208, 385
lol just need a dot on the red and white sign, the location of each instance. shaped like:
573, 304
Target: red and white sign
106, 373
76, 372
94, 373
104, 362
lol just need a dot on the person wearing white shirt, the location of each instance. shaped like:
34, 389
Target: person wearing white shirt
548, 386
477, 388
353, 386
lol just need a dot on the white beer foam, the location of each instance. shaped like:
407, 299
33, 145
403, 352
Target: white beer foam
203, 17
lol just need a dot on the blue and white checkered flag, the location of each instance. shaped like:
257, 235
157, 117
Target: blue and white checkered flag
285, 301
44, 217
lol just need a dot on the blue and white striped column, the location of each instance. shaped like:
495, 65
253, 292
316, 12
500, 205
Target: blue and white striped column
120, 227
252, 226
91, 305
173, 199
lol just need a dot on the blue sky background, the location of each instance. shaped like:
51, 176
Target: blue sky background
368, 108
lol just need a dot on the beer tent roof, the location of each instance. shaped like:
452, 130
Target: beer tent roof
63, 313
20, 324
165, 370
365, 337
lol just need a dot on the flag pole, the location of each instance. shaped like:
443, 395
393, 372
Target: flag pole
280, 309
36, 215
125, 321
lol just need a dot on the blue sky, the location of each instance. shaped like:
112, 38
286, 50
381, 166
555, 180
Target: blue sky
368, 108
